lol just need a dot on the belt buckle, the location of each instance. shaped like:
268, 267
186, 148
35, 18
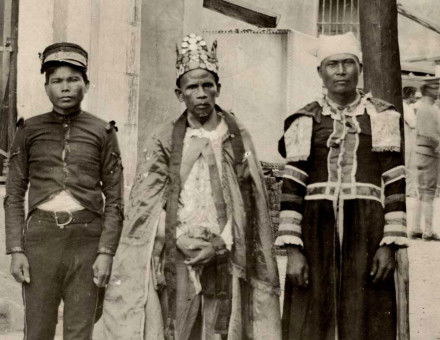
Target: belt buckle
62, 225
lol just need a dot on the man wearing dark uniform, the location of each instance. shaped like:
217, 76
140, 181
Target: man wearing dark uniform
69, 160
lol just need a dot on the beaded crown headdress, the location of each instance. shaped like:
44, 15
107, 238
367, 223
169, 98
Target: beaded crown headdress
194, 54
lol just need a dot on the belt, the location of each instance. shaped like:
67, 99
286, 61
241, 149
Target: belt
64, 218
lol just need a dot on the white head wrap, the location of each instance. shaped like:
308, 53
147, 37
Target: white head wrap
329, 45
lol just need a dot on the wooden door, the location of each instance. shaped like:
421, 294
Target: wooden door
8, 78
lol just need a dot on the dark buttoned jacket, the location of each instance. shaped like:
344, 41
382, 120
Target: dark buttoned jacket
77, 153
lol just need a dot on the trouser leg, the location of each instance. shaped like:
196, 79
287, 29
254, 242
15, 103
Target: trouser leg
427, 207
413, 211
44, 250
418, 214
80, 294
427, 178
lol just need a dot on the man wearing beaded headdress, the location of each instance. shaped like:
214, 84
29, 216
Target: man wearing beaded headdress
196, 258
343, 206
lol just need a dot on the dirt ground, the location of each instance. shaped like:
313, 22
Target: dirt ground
424, 260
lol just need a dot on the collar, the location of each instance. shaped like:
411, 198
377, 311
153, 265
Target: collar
198, 131
349, 107
69, 116
355, 108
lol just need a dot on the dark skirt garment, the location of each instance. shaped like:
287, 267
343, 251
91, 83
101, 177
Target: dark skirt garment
341, 296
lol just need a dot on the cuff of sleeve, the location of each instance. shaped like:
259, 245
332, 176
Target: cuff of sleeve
285, 240
289, 230
394, 231
398, 241
107, 251
15, 250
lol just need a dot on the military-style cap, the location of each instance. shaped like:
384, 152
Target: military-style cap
431, 82
194, 54
64, 52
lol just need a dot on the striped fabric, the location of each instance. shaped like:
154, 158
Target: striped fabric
330, 191
394, 206
395, 224
394, 231
289, 217
295, 174
292, 198
289, 230
393, 174
394, 189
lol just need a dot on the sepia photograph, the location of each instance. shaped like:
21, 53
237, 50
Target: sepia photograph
220, 169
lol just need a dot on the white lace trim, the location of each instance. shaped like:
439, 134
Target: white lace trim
385, 130
285, 240
397, 240
298, 138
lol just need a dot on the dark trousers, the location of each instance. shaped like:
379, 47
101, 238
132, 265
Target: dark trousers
60, 261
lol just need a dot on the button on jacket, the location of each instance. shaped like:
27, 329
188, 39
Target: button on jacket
78, 153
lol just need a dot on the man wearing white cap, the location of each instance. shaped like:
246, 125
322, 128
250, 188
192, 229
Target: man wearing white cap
342, 207
196, 260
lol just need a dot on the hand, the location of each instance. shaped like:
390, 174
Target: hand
102, 269
20, 268
297, 268
206, 254
383, 264
190, 246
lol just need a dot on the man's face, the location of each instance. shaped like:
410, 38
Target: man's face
340, 73
66, 89
412, 99
198, 90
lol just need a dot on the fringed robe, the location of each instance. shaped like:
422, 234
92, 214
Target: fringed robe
137, 303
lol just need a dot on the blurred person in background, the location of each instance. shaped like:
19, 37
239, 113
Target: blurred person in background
412, 202
427, 158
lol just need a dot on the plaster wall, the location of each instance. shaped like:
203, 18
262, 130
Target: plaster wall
105, 32
255, 69
414, 39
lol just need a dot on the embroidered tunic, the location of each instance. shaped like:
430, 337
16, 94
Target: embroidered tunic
197, 206
343, 196
202, 208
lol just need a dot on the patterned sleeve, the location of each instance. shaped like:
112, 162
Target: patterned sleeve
292, 196
393, 176
297, 140
393, 179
